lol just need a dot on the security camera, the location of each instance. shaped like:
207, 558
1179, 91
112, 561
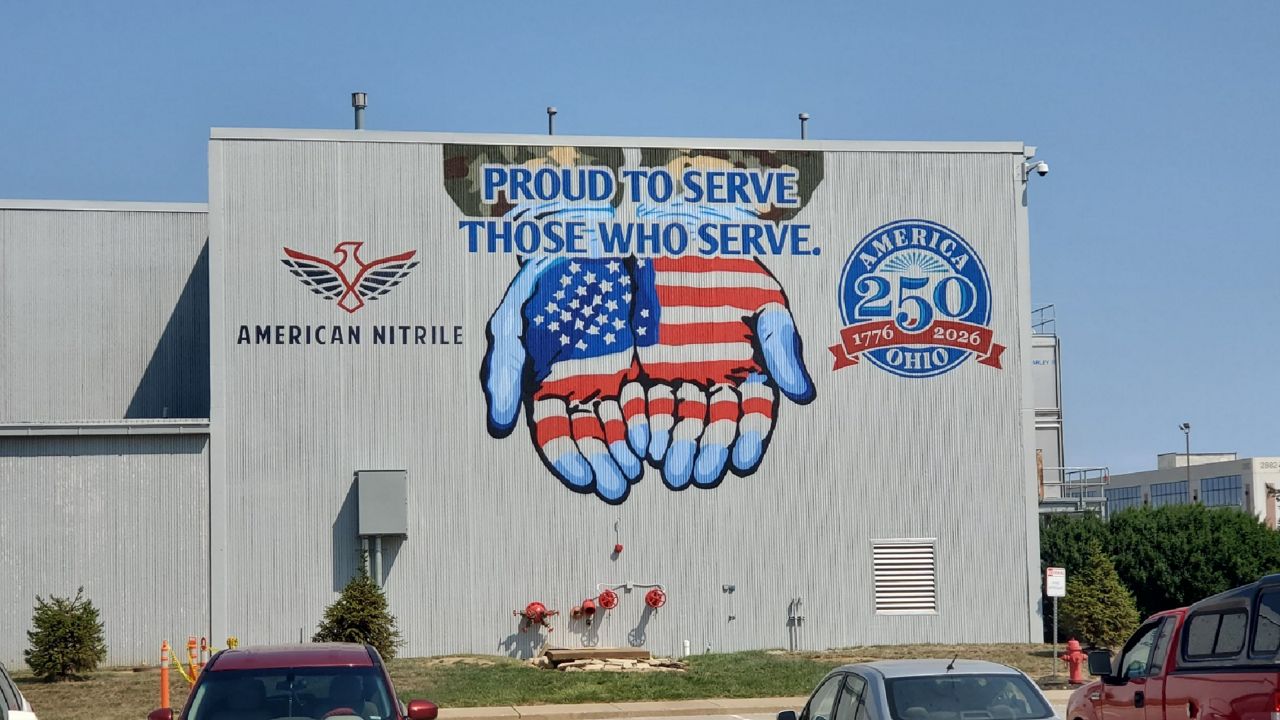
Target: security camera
1041, 168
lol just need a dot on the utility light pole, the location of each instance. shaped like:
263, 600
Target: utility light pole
1186, 430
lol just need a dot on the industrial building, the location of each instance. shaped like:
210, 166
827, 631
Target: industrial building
1211, 479
786, 383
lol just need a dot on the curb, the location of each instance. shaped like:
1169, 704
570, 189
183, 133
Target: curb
603, 711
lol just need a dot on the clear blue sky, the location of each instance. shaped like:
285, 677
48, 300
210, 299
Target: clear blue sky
1152, 235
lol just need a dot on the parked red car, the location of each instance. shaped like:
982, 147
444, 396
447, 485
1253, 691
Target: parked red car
338, 681
1218, 659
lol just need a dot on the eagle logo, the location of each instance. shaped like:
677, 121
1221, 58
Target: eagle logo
351, 280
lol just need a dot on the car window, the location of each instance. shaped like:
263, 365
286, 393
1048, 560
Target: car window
822, 703
8, 691
296, 692
1135, 662
850, 697
1266, 627
1216, 634
965, 697
1161, 651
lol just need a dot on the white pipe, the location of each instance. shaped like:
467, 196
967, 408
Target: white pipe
377, 560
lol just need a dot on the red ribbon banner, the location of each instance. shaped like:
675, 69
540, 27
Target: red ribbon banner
857, 339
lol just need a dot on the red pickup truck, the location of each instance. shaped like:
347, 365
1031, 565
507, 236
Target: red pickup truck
1218, 659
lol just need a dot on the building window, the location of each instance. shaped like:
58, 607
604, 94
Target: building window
1123, 498
1170, 493
906, 579
1225, 491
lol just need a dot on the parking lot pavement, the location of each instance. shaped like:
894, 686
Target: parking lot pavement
1058, 707
722, 709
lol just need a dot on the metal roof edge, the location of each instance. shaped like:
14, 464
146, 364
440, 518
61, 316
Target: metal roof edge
58, 428
389, 136
103, 206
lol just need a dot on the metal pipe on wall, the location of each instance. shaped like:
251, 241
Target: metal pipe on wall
377, 560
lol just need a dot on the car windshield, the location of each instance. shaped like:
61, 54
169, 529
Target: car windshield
965, 697
340, 693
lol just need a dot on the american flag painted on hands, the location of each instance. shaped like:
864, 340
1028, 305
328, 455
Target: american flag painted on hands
576, 355
716, 342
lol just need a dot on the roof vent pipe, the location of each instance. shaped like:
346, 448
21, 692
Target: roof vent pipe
359, 101
804, 122
551, 119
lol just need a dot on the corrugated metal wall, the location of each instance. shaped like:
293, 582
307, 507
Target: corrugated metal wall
875, 456
123, 516
112, 304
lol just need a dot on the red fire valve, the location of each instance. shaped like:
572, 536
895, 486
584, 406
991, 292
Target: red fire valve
535, 613
608, 599
1075, 659
655, 598
617, 549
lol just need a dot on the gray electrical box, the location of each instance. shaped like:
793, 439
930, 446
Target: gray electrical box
384, 502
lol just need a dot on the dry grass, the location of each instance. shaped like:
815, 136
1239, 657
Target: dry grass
107, 695
460, 681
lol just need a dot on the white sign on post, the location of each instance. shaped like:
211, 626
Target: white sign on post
1055, 582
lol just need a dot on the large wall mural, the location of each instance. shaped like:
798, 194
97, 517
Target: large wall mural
642, 326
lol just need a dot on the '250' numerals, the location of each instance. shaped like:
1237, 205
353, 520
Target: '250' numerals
952, 297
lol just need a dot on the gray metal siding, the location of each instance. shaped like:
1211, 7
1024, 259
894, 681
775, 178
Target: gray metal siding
124, 517
874, 457
104, 314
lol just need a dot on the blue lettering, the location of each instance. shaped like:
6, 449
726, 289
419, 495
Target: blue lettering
546, 183
494, 177
736, 187
634, 178
555, 241
660, 186
615, 237
706, 233
473, 233
651, 234
675, 239
692, 191
574, 236
751, 240
601, 183
730, 239
520, 178
527, 237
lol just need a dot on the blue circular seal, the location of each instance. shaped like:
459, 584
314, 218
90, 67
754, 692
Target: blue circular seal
915, 299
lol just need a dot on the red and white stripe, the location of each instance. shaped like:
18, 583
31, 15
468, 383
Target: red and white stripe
757, 408
580, 378
704, 301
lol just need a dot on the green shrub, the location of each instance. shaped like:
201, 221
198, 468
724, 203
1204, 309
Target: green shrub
1098, 609
1177, 554
66, 638
360, 615
1064, 540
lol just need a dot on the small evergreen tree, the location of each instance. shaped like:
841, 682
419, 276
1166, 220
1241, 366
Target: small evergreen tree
1098, 609
360, 615
66, 638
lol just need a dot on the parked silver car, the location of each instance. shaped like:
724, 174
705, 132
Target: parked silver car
925, 690
12, 705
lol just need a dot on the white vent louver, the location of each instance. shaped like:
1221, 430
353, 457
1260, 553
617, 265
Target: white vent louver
905, 576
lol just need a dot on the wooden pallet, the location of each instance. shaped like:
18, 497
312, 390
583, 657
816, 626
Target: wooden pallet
563, 655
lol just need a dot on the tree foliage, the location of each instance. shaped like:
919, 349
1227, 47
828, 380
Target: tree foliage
66, 638
1169, 556
1064, 540
1098, 609
1177, 554
361, 615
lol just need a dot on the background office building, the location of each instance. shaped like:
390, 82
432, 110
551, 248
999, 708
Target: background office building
1211, 479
